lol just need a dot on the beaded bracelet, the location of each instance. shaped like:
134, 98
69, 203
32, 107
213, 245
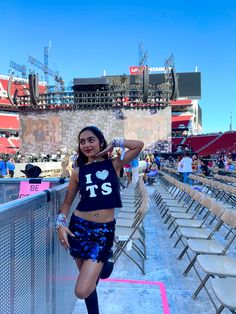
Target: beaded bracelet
60, 221
118, 142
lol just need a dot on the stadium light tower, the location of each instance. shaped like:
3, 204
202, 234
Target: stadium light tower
44, 67
19, 68
230, 121
143, 56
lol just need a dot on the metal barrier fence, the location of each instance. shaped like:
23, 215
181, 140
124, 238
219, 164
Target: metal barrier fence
37, 275
9, 188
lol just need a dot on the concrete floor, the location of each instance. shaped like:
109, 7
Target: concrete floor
167, 290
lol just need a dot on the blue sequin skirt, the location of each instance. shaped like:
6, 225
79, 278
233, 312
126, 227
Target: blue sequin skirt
92, 240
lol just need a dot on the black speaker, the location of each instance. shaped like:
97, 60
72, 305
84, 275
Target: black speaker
175, 89
145, 84
12, 101
33, 88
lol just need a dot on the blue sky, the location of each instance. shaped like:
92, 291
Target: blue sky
88, 37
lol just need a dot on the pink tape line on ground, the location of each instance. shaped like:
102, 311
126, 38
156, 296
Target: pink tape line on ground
161, 285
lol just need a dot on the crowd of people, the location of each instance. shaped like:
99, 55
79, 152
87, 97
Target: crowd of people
146, 165
7, 167
187, 164
66, 157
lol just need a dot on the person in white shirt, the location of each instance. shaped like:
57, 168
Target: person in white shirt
186, 163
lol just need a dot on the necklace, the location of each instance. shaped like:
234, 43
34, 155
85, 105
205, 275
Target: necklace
95, 160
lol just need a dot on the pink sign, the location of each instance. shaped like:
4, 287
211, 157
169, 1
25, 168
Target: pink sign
27, 188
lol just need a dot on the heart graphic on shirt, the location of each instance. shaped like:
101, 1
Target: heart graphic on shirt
102, 174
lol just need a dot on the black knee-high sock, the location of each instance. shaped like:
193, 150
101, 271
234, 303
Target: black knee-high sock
92, 303
92, 300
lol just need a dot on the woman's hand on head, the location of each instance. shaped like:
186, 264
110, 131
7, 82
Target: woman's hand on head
63, 233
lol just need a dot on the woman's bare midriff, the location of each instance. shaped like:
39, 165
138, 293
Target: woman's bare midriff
100, 216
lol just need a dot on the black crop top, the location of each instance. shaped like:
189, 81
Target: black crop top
99, 186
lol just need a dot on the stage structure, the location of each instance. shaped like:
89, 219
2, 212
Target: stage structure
132, 106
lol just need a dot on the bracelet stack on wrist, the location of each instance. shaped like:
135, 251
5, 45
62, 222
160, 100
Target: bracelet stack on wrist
60, 221
119, 142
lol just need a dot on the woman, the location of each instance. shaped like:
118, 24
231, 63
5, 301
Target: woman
127, 171
3, 169
205, 168
151, 173
11, 167
90, 234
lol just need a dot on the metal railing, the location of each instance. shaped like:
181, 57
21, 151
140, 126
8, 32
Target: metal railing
37, 275
9, 188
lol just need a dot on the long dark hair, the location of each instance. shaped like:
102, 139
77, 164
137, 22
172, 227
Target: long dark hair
82, 159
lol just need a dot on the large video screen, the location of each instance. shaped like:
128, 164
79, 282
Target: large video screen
46, 133
40, 133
